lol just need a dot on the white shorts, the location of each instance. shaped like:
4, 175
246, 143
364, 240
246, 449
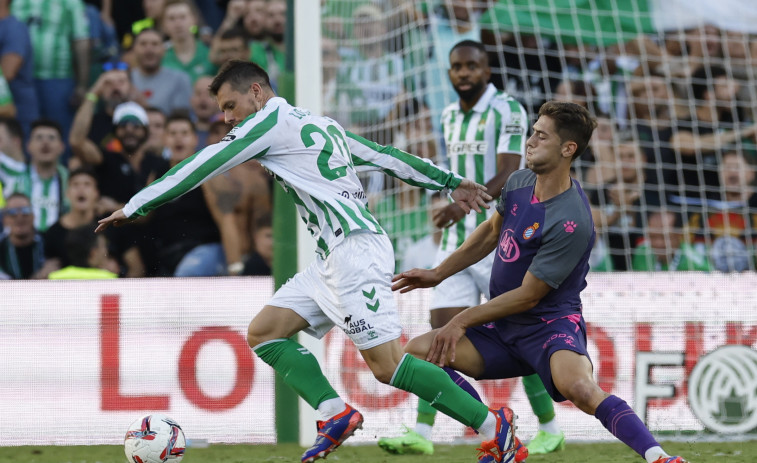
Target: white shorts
351, 289
465, 288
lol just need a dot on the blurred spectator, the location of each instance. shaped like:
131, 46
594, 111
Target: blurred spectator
184, 51
153, 11
60, 39
165, 88
729, 223
83, 196
270, 53
7, 108
255, 16
94, 118
102, 33
422, 253
212, 13
330, 65
404, 217
155, 143
696, 142
11, 144
17, 66
260, 260
204, 107
121, 174
22, 254
370, 79
88, 254
43, 179
230, 44
415, 133
232, 19
665, 248
185, 235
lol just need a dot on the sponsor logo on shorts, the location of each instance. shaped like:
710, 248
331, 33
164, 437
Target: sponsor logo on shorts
530, 231
562, 338
358, 327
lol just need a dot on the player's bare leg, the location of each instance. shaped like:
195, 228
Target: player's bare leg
572, 376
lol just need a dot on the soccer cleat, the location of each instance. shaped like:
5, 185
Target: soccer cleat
670, 460
501, 449
546, 442
332, 433
409, 443
521, 451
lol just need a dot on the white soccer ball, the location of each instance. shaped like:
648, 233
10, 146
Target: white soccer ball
154, 439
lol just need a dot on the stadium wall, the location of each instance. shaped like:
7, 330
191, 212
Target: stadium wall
82, 360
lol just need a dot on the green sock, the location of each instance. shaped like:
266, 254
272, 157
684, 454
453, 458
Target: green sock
426, 413
431, 383
299, 368
541, 402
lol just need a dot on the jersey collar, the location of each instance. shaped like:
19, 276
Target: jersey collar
485, 99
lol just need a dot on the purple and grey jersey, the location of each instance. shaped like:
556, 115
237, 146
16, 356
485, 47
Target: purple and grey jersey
551, 239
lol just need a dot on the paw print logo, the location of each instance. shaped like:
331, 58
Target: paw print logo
569, 226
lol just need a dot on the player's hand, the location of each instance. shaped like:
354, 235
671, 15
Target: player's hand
116, 218
470, 195
446, 216
442, 351
414, 279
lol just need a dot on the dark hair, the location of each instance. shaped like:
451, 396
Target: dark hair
47, 123
13, 126
240, 75
147, 30
469, 43
264, 221
83, 170
572, 123
702, 80
181, 116
155, 109
79, 244
235, 33
17, 194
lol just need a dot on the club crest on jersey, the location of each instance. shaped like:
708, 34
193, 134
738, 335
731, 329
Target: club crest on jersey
529, 232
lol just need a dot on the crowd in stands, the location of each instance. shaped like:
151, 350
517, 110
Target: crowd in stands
99, 98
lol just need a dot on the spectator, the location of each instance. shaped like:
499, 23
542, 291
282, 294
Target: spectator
204, 107
260, 260
422, 253
185, 52
88, 254
94, 118
270, 53
17, 66
153, 10
228, 45
664, 247
7, 108
83, 196
11, 144
22, 254
184, 239
729, 224
156, 139
162, 87
254, 19
415, 133
60, 39
121, 174
102, 33
43, 178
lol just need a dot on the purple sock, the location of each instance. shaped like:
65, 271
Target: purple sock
615, 415
460, 381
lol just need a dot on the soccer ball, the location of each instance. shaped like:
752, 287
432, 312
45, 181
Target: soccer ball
154, 439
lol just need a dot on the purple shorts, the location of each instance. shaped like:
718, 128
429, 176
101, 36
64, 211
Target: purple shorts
511, 349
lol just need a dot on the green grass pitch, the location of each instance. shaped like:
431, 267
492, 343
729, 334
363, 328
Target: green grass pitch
696, 452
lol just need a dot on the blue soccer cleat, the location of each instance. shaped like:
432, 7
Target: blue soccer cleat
332, 433
503, 448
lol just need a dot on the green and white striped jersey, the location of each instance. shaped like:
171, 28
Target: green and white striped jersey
497, 124
47, 195
313, 158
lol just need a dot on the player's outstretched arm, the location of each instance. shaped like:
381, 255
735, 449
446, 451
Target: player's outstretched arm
470, 195
116, 218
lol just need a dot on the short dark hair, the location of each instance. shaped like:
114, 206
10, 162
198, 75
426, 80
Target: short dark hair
703, 78
235, 33
13, 126
181, 116
84, 170
572, 122
18, 194
79, 243
49, 123
264, 221
469, 43
240, 75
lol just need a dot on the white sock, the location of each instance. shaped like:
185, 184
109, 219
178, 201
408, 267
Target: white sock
331, 407
654, 453
424, 430
488, 428
552, 427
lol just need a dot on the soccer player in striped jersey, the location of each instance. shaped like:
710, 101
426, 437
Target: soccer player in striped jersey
349, 283
542, 236
485, 133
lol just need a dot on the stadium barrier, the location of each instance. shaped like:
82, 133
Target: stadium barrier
82, 360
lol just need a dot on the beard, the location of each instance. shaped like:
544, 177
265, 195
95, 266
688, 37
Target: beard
468, 95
